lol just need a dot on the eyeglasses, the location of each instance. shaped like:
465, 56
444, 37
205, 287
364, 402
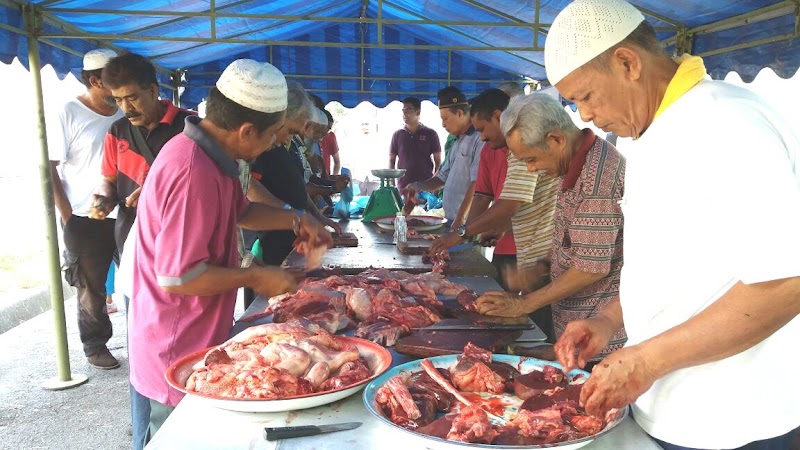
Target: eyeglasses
409, 110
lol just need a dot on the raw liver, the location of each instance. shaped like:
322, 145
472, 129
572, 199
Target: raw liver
423, 344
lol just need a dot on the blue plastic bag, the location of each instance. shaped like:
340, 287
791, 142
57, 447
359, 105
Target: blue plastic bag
341, 209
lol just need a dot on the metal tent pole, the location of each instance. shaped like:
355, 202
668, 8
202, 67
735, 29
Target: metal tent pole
65, 379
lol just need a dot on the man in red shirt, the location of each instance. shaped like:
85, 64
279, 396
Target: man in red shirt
490, 215
330, 148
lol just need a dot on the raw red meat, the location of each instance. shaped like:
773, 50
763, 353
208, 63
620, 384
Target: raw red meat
381, 332
349, 373
472, 425
439, 260
548, 381
472, 374
467, 299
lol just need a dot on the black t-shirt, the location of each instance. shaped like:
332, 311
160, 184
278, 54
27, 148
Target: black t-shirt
281, 172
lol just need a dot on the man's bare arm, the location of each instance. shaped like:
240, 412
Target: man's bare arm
59, 195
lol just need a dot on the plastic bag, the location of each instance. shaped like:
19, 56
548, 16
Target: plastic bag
341, 209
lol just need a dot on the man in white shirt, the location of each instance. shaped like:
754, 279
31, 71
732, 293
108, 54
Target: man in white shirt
75, 141
710, 289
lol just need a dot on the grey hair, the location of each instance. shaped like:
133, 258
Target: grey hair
535, 115
298, 103
511, 88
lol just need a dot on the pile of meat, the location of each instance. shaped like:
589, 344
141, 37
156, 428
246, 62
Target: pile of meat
275, 361
447, 403
383, 305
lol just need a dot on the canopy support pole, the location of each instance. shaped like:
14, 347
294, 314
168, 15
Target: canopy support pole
65, 379
176, 84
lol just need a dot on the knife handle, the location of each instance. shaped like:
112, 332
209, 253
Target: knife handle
273, 434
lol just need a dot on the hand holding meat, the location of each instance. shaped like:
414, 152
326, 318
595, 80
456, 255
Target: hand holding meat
501, 303
444, 242
335, 225
617, 381
272, 281
581, 340
101, 207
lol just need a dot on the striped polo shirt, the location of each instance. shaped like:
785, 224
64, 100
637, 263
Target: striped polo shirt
533, 223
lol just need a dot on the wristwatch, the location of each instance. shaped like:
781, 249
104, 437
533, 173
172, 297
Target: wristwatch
462, 231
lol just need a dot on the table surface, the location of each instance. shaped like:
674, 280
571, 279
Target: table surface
376, 250
196, 425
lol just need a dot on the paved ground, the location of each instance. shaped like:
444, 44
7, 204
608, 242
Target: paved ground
95, 415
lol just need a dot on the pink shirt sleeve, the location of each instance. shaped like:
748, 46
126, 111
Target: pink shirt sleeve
188, 225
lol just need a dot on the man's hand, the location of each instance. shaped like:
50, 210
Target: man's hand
339, 184
490, 238
444, 242
101, 207
501, 303
313, 233
272, 281
132, 201
412, 189
581, 340
337, 229
617, 381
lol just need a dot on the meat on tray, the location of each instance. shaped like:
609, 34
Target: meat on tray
382, 305
551, 414
278, 360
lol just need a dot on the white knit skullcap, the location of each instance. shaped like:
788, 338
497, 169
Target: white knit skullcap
318, 116
254, 85
584, 30
97, 59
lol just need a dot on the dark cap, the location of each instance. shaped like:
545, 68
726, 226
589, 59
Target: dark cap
451, 96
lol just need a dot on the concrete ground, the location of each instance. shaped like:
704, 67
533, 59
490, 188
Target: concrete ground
95, 415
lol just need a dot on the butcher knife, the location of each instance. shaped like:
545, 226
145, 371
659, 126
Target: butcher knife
458, 324
276, 433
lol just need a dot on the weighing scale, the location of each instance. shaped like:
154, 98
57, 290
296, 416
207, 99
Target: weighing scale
386, 200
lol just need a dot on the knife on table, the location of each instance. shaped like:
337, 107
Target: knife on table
276, 433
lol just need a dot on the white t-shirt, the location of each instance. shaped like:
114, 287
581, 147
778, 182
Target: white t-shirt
75, 139
712, 196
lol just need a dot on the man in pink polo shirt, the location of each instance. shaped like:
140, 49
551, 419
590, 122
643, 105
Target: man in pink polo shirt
187, 264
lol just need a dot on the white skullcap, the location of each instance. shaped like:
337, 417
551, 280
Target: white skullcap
318, 116
97, 59
584, 30
254, 85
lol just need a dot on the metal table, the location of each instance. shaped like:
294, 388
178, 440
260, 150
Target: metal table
376, 250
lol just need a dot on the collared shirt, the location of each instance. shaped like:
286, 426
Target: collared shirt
588, 232
123, 159
533, 222
414, 152
461, 170
188, 212
491, 176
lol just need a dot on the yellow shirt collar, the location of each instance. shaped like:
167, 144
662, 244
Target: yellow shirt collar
691, 71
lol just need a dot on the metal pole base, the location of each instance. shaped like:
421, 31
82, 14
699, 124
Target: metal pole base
55, 384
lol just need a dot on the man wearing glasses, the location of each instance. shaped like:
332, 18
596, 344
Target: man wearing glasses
413, 146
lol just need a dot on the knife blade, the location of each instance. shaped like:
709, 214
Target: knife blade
477, 326
276, 433
466, 246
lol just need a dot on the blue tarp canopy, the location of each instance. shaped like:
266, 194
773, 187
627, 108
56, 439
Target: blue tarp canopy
377, 50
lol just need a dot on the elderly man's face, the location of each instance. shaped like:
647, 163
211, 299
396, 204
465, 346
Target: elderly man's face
453, 122
289, 129
254, 143
490, 129
538, 159
609, 98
